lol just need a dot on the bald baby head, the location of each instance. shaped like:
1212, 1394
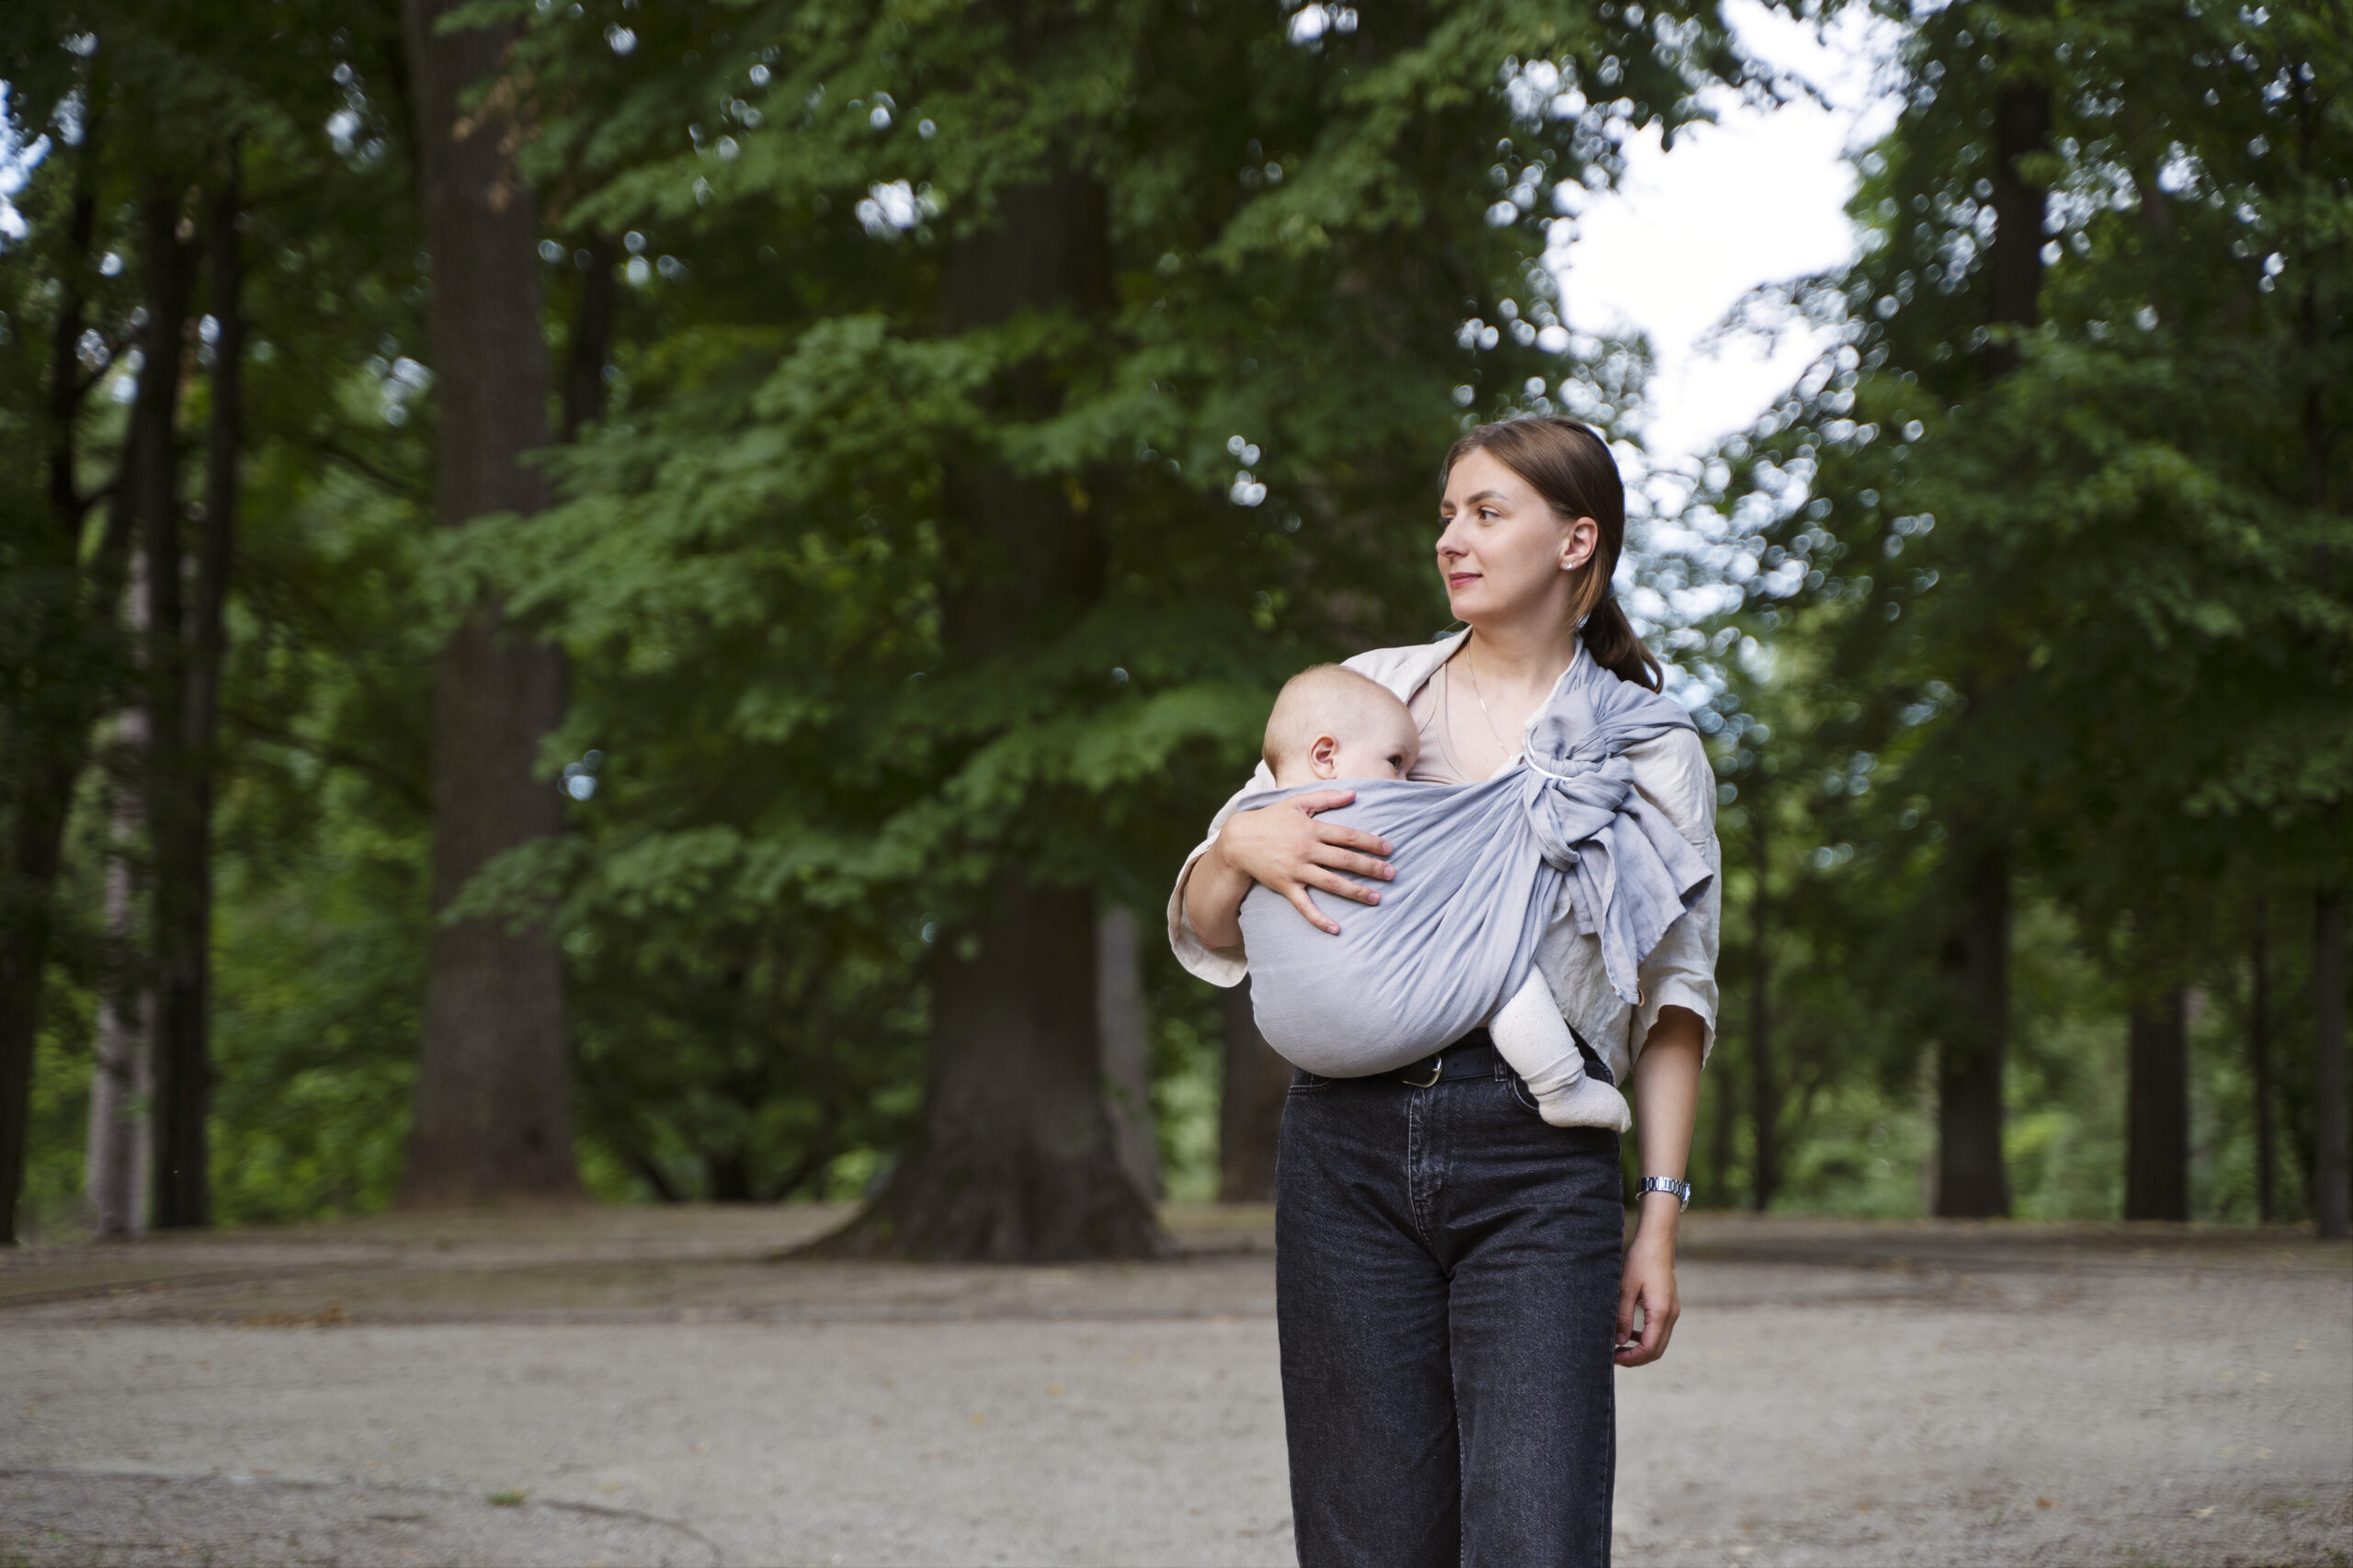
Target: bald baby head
1331, 722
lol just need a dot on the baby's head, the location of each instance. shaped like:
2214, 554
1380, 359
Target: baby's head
1331, 722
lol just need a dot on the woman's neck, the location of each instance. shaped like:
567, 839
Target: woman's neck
1525, 654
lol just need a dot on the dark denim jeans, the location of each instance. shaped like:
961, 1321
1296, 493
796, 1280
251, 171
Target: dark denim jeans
1446, 1277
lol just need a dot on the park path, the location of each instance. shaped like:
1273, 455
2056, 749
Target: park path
671, 1386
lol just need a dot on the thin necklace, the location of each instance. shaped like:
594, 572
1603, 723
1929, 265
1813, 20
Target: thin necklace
1443, 714
1475, 692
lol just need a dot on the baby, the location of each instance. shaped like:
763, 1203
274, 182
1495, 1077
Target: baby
1331, 723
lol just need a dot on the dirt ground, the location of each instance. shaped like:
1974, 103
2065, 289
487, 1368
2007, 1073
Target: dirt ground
666, 1386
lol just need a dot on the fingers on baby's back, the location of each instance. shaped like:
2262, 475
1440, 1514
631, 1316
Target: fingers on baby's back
1340, 859
1332, 882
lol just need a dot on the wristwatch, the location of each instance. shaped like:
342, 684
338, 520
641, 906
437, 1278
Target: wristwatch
1681, 1190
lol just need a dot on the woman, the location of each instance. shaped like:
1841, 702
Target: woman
1449, 1287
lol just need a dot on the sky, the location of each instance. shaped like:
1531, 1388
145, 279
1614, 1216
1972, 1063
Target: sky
1756, 198
14, 167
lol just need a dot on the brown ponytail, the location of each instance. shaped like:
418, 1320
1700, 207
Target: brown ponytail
1570, 466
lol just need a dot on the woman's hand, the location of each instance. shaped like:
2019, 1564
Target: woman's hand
1666, 1103
1285, 848
1649, 1283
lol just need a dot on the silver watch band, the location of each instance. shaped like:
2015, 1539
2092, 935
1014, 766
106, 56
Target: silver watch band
1682, 1190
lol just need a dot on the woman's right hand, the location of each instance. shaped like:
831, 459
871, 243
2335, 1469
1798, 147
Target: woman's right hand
1287, 849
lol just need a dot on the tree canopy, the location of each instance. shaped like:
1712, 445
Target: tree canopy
958, 421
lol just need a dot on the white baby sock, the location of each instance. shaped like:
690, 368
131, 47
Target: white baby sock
1531, 1038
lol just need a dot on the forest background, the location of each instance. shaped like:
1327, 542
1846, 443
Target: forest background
640, 599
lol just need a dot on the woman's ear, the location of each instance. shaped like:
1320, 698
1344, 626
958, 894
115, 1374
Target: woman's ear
1323, 757
1584, 536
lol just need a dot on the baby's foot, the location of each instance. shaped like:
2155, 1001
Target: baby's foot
1585, 1102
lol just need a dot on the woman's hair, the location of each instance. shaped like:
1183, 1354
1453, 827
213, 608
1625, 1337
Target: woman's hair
1570, 466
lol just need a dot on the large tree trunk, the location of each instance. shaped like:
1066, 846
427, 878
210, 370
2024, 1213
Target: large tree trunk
1764, 1100
117, 1159
2332, 1159
118, 1172
1015, 1158
1723, 1087
2258, 1051
186, 667
2013, 267
1250, 1112
2157, 1129
592, 339
1124, 1025
184, 860
34, 854
50, 728
183, 1086
492, 1119
1971, 1180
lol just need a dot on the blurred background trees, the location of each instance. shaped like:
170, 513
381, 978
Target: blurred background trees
699, 566
2060, 527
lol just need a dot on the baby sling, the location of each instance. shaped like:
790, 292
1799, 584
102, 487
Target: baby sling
1481, 867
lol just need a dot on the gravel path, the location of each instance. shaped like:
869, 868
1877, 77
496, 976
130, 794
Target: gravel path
659, 1386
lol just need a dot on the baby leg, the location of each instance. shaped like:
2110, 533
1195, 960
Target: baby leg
1533, 1040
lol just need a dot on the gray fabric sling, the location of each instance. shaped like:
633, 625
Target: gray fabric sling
1480, 869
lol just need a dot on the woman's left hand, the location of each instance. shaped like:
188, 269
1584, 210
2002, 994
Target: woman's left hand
1648, 1283
1666, 1100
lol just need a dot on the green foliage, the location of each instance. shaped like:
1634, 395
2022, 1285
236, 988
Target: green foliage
59, 1114
2093, 607
796, 785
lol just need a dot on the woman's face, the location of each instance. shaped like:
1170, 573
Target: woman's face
1505, 555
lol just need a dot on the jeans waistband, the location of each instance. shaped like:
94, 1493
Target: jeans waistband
1473, 1056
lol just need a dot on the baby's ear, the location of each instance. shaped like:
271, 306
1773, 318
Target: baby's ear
1323, 757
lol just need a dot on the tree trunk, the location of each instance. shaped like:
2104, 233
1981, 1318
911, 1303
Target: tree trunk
183, 1086
34, 852
186, 667
492, 1119
2014, 266
1971, 1179
50, 727
2156, 1152
592, 339
1013, 1162
1723, 1128
1763, 1101
1250, 1112
730, 1175
2332, 1140
1015, 1158
1124, 1025
2332, 1161
2258, 1051
117, 1159
118, 1172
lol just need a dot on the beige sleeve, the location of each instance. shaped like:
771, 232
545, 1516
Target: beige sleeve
1674, 774
1218, 966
